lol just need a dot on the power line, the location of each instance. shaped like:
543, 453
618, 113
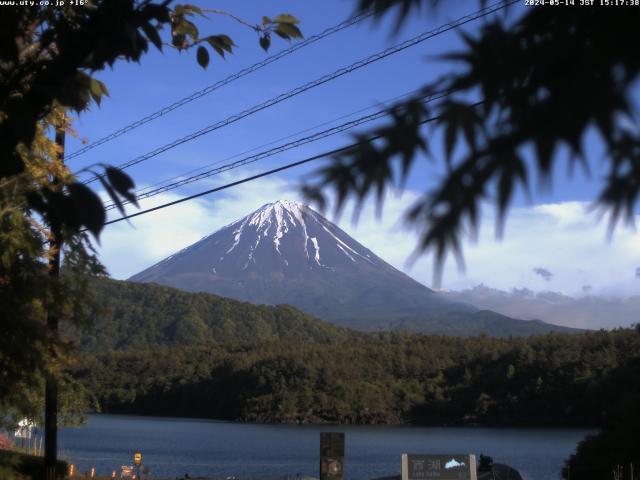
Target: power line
324, 79
260, 175
207, 170
273, 151
207, 90
233, 184
142, 191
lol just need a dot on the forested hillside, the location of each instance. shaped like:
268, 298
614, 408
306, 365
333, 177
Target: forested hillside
127, 316
381, 378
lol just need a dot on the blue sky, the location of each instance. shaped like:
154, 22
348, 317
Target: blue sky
162, 78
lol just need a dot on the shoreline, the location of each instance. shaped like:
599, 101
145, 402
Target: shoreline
534, 425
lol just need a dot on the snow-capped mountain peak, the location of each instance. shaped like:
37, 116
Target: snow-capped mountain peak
274, 220
284, 252
305, 231
281, 213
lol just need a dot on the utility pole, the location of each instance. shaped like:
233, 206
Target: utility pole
51, 383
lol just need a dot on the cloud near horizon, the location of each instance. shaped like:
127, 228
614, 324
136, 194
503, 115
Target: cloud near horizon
544, 273
561, 235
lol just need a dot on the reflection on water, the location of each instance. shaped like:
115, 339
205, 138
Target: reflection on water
173, 447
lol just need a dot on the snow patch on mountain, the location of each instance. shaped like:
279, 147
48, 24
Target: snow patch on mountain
341, 245
314, 240
346, 253
237, 234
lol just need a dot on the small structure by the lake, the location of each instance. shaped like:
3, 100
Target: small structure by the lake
427, 467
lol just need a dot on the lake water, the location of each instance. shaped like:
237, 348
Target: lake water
173, 447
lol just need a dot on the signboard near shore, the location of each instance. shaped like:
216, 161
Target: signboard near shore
331, 456
449, 467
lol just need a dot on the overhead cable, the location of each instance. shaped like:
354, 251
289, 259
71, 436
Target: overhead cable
273, 151
322, 80
221, 83
260, 175
208, 166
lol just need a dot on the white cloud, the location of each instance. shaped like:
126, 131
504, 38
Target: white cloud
128, 248
561, 237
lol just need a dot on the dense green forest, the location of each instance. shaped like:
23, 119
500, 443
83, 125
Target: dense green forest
381, 378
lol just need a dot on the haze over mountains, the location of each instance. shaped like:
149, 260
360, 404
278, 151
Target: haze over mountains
286, 253
587, 311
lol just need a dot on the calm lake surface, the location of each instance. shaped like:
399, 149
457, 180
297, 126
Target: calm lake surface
172, 447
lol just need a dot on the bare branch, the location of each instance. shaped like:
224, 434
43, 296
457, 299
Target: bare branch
256, 28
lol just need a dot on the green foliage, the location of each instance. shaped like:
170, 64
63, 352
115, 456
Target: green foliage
536, 95
29, 350
284, 26
22, 310
203, 57
46, 62
221, 44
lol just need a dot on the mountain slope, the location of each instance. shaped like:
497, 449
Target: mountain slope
285, 252
461, 324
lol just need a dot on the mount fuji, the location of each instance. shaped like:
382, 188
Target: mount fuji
286, 253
